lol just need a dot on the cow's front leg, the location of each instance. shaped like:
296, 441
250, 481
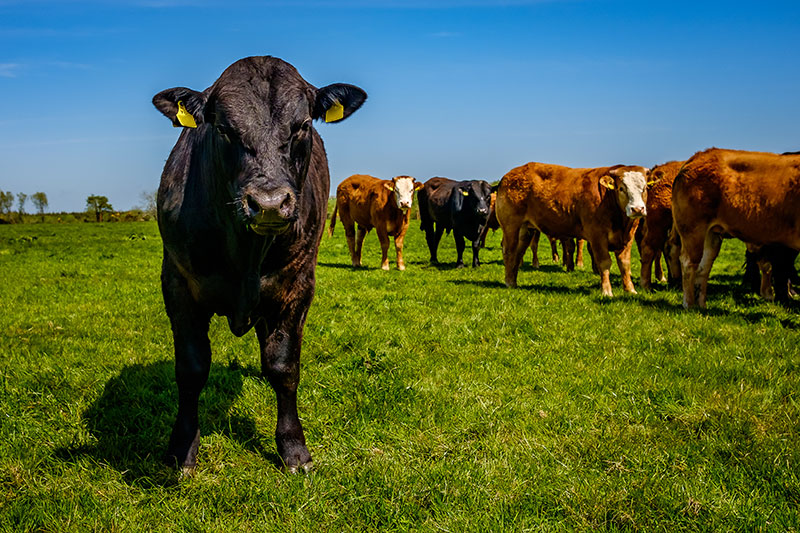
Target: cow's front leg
383, 238
476, 248
624, 264
192, 365
459, 238
280, 364
603, 261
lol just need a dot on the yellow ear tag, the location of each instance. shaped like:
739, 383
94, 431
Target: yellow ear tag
650, 183
334, 112
465, 193
184, 117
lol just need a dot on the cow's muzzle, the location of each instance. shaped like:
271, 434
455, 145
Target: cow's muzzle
270, 212
637, 212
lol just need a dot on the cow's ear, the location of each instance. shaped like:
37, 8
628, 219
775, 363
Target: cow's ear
184, 107
607, 182
389, 185
418, 185
336, 102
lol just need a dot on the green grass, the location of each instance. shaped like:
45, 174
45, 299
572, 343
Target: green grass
433, 399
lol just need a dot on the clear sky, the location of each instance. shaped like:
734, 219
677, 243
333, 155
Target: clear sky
466, 90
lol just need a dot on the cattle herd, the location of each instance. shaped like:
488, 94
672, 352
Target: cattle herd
242, 206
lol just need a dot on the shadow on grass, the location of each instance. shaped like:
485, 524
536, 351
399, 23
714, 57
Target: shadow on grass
132, 420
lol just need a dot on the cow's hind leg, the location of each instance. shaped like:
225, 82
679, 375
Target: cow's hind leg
362, 233
659, 269
516, 240
350, 234
192, 365
459, 238
433, 235
535, 234
568, 250
646, 275
579, 252
712, 245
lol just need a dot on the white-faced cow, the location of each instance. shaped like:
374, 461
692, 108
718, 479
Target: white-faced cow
375, 203
241, 208
460, 206
601, 205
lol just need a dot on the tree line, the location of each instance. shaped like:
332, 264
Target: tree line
97, 207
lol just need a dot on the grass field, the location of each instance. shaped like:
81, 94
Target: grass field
433, 399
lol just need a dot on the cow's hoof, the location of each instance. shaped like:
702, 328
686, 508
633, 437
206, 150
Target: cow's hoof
400, 267
459, 265
304, 468
385, 267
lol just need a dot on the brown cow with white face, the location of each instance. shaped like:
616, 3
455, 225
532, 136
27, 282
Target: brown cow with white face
601, 205
375, 203
752, 196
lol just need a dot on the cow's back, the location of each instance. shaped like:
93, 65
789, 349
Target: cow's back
754, 196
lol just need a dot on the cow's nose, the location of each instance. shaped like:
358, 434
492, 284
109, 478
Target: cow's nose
273, 207
638, 211
483, 211
405, 205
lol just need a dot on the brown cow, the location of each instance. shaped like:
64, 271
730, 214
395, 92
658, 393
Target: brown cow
752, 196
375, 203
602, 205
566, 247
651, 237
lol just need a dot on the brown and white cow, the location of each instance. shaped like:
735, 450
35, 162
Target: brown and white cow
752, 196
602, 205
375, 203
653, 232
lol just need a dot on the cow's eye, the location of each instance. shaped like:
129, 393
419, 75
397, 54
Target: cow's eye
303, 128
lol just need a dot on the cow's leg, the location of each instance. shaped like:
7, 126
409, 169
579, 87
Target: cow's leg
647, 266
459, 238
554, 250
192, 364
567, 248
516, 240
476, 248
602, 259
362, 233
383, 238
691, 254
765, 289
672, 256
399, 239
659, 270
624, 264
432, 236
535, 234
280, 364
579, 252
712, 245
350, 234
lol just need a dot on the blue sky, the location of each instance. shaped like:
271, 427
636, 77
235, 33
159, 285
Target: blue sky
466, 90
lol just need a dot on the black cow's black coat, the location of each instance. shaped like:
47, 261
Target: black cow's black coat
241, 208
460, 206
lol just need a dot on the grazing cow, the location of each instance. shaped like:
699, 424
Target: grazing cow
602, 205
653, 232
460, 206
241, 210
374, 203
752, 196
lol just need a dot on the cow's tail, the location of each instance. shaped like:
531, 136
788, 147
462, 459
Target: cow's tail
333, 219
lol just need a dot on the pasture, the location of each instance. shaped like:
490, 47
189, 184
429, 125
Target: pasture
433, 399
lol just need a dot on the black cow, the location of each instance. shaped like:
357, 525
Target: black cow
777, 262
241, 208
460, 206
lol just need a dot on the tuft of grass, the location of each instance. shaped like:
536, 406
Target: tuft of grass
433, 399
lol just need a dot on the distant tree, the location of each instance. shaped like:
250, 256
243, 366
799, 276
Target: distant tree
6, 202
148, 199
21, 199
39, 199
100, 205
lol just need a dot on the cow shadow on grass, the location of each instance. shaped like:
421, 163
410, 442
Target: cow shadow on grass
132, 419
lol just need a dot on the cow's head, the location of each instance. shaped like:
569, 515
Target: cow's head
472, 199
254, 134
630, 185
403, 188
